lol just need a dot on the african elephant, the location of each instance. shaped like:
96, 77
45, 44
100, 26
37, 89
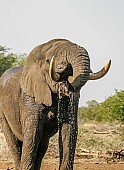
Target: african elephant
41, 98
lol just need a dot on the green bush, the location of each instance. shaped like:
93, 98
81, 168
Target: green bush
8, 60
111, 109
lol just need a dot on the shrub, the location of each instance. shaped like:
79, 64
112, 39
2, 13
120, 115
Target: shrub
111, 109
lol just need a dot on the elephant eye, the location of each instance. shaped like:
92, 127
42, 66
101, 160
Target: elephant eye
48, 61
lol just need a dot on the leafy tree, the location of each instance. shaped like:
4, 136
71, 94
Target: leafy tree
110, 110
3, 49
115, 105
92, 103
20, 58
8, 60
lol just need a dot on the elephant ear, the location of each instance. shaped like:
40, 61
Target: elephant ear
33, 81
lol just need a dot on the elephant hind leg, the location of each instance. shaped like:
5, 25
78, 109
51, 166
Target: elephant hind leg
14, 144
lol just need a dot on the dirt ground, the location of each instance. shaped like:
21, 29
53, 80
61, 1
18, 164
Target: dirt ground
88, 166
80, 164
99, 147
77, 166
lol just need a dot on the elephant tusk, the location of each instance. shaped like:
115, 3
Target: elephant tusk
101, 73
54, 76
50, 69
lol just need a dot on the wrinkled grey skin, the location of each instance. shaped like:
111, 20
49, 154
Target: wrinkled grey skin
29, 120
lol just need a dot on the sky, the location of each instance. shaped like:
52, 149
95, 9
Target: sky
97, 25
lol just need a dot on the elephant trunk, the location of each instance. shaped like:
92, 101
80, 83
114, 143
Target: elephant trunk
81, 69
80, 63
82, 72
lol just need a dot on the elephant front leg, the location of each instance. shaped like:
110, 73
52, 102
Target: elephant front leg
42, 148
67, 145
32, 136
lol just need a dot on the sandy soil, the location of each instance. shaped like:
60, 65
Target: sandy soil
94, 140
77, 166
88, 166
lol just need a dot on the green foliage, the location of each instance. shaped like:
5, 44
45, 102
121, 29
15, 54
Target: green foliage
3, 49
92, 103
8, 60
111, 109
115, 106
19, 60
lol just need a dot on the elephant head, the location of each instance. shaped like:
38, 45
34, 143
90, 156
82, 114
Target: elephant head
72, 63
56, 61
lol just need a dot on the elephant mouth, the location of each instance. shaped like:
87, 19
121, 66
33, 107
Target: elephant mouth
64, 74
60, 74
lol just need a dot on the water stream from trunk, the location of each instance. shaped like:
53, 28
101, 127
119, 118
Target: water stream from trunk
67, 109
63, 100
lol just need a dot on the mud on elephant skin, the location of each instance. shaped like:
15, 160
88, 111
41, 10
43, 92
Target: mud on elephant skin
41, 97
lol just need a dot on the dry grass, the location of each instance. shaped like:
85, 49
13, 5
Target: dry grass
94, 141
100, 136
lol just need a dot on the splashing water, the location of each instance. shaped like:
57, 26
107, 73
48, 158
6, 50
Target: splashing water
67, 112
72, 105
71, 111
59, 107
70, 114
58, 114
63, 91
